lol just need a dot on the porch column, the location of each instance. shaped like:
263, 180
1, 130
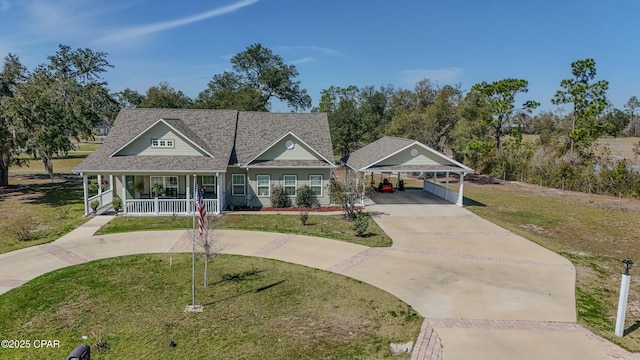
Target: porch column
111, 183
85, 191
188, 194
123, 184
218, 188
461, 190
222, 195
100, 190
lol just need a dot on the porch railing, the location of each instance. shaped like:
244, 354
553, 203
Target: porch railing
441, 191
104, 198
158, 206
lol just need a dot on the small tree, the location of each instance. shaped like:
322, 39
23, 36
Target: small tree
347, 195
209, 243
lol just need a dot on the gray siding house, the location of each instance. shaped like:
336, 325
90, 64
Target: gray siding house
152, 156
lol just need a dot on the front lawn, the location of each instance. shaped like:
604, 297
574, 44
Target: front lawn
133, 308
326, 226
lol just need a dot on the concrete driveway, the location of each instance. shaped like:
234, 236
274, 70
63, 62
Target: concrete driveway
485, 292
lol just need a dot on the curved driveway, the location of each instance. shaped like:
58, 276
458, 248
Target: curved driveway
485, 292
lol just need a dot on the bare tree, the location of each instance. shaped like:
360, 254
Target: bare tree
209, 243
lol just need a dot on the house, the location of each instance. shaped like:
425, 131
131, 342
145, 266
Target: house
151, 158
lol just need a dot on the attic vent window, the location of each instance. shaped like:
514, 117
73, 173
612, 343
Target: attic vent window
161, 143
414, 152
289, 144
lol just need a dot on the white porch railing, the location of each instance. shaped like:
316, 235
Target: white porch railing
441, 191
104, 198
158, 206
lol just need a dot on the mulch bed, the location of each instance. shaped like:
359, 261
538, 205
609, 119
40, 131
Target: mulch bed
290, 209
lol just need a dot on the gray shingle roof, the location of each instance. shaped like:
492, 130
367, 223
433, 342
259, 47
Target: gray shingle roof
211, 129
375, 151
215, 131
259, 130
370, 154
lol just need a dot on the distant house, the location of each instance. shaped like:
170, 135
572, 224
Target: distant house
152, 156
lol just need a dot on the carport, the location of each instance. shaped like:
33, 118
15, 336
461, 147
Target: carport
398, 155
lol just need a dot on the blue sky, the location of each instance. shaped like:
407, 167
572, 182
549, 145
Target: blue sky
339, 42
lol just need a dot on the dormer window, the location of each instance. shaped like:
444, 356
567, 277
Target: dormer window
162, 143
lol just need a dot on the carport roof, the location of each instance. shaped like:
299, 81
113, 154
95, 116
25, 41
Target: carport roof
372, 157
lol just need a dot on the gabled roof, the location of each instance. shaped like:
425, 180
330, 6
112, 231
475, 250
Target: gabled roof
177, 126
325, 161
258, 131
227, 137
211, 130
370, 156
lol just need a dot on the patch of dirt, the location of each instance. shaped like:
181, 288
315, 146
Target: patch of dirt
535, 228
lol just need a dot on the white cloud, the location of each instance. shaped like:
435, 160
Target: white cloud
139, 31
300, 61
323, 50
448, 75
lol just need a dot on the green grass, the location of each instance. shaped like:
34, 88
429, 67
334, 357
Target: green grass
326, 226
254, 308
595, 236
44, 209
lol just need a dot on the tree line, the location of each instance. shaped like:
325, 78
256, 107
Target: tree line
43, 109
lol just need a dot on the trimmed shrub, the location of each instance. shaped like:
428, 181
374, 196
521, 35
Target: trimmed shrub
278, 197
304, 217
95, 204
360, 224
116, 203
304, 196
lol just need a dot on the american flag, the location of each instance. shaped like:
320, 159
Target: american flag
200, 208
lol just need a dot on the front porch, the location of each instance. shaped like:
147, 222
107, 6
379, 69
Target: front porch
155, 194
166, 206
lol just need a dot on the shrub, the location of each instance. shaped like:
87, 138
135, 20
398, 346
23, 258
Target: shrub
278, 197
304, 197
95, 204
360, 224
304, 217
117, 204
23, 230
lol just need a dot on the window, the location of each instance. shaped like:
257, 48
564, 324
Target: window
169, 184
237, 184
290, 184
161, 143
315, 183
264, 183
209, 186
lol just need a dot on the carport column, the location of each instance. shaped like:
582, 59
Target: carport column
85, 191
461, 190
446, 188
123, 184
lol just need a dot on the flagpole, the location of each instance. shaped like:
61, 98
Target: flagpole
193, 246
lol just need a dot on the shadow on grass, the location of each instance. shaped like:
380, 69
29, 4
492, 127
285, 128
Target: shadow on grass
470, 202
632, 328
257, 290
59, 190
